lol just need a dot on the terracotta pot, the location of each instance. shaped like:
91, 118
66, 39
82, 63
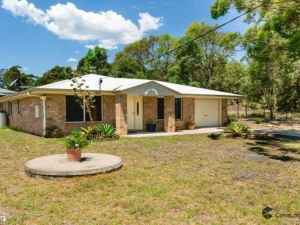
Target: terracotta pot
74, 154
191, 126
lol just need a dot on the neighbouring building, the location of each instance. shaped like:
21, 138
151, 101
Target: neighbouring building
128, 104
5, 92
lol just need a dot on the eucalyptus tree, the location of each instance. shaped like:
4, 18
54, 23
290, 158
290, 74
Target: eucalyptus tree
146, 58
95, 61
202, 61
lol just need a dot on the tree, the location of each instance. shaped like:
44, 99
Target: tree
201, 62
2, 71
269, 63
272, 46
145, 58
95, 61
279, 16
15, 79
57, 73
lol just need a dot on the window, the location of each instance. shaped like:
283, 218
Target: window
96, 110
75, 112
178, 108
37, 111
160, 108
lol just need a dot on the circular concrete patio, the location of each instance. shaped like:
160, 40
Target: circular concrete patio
60, 166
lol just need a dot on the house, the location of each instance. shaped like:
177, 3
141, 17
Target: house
4, 92
128, 104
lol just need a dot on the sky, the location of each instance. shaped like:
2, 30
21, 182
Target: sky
39, 34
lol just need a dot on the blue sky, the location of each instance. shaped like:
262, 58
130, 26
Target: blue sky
38, 39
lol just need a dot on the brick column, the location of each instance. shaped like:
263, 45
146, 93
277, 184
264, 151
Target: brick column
150, 109
169, 120
224, 112
121, 115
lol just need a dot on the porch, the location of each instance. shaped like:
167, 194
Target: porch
170, 115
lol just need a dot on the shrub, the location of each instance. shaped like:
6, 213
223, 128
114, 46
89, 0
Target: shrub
215, 136
232, 118
90, 132
54, 132
258, 120
105, 130
76, 140
237, 129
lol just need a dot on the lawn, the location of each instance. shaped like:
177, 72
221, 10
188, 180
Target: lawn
168, 180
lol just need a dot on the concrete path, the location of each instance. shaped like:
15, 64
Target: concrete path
181, 132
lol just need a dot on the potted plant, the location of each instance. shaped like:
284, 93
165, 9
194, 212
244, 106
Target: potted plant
151, 126
74, 143
190, 125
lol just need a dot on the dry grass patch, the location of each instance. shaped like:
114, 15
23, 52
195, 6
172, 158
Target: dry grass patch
168, 180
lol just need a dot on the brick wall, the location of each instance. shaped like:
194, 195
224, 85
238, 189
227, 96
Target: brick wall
188, 113
121, 114
224, 112
169, 117
23, 115
56, 113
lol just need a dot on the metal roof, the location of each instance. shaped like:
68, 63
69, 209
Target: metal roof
6, 92
114, 84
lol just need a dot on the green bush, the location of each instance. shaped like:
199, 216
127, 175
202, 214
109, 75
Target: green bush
237, 129
90, 132
259, 120
54, 132
76, 140
232, 118
105, 130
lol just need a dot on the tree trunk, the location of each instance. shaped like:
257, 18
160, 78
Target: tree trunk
238, 110
246, 109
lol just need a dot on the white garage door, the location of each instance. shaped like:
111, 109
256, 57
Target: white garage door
207, 112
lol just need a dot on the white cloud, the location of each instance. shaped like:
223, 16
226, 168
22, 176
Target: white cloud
108, 44
107, 28
72, 60
148, 22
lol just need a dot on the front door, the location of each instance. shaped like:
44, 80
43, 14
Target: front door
135, 112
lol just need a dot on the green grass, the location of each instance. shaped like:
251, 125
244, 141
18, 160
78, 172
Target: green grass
168, 180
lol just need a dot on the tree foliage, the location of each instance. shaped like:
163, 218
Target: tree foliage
57, 73
145, 58
15, 79
280, 16
95, 61
272, 45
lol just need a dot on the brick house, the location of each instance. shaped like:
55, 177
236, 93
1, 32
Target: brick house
128, 104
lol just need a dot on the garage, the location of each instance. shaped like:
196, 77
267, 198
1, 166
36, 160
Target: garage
207, 112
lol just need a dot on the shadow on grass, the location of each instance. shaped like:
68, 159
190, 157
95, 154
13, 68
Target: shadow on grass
274, 148
265, 152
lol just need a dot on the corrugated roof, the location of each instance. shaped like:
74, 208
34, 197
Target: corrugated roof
6, 92
113, 84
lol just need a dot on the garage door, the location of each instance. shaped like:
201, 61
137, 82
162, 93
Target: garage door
207, 112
